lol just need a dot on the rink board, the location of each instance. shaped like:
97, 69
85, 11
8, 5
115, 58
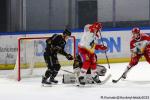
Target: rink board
116, 39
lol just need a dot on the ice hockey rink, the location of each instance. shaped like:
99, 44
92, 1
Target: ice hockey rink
136, 84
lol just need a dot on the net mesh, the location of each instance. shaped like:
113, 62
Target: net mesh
30, 56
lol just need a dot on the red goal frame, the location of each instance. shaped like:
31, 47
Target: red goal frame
29, 38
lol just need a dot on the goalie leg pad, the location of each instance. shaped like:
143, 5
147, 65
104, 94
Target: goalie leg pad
89, 79
69, 79
101, 70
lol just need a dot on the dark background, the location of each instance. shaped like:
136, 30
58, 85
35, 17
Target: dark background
3, 15
44, 15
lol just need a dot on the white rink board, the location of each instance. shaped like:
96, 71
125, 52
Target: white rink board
117, 41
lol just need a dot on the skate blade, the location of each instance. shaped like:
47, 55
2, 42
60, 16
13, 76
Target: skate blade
85, 86
54, 83
79, 85
46, 85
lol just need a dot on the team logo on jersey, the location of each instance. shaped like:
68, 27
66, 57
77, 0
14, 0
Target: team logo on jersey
87, 57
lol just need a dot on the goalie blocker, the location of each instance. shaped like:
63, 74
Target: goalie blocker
72, 78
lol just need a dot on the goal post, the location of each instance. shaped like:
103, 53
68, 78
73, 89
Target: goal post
30, 55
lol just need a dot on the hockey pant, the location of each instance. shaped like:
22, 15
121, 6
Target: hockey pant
135, 59
52, 65
89, 61
71, 79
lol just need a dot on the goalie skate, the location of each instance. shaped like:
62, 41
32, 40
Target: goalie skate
96, 84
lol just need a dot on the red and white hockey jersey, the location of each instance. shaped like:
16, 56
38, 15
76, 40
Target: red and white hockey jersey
89, 40
140, 45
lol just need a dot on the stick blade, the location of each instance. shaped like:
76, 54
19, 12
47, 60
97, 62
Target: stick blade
114, 81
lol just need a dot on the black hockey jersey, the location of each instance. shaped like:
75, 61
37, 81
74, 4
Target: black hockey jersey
56, 44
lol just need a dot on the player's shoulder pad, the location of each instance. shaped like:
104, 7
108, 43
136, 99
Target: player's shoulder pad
56, 36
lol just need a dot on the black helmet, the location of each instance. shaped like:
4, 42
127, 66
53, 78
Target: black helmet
67, 32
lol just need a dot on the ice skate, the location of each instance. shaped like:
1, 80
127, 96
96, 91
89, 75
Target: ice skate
53, 81
96, 79
81, 80
44, 81
124, 76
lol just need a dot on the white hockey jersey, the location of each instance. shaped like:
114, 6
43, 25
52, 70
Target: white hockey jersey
88, 40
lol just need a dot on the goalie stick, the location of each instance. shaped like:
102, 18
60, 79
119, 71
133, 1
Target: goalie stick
67, 71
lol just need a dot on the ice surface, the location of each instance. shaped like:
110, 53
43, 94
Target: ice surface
136, 84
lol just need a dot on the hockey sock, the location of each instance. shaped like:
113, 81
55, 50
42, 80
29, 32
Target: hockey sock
48, 73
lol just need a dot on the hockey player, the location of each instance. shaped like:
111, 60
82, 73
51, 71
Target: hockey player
77, 65
55, 45
86, 48
139, 46
100, 70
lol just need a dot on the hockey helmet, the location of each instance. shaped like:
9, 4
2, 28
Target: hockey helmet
136, 33
67, 32
96, 26
135, 30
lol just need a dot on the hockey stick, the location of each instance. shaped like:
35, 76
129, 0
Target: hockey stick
67, 71
104, 51
115, 81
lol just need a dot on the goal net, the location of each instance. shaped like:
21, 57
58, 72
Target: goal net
30, 60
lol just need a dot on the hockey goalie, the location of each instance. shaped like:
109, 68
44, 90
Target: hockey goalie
72, 78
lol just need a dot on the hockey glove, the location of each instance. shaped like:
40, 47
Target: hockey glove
69, 57
100, 47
